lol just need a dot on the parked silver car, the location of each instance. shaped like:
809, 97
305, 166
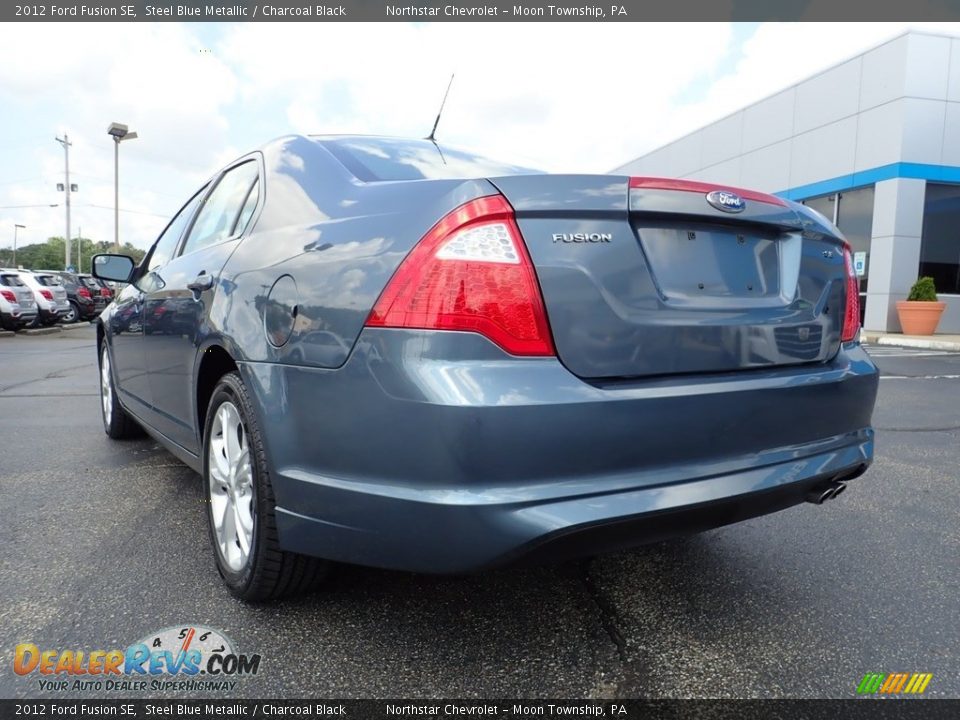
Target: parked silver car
50, 296
17, 305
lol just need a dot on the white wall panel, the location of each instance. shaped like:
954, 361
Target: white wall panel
923, 130
928, 65
884, 73
769, 121
767, 169
725, 173
953, 81
827, 97
879, 135
950, 152
722, 140
823, 153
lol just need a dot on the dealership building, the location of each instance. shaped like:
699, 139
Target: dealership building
874, 145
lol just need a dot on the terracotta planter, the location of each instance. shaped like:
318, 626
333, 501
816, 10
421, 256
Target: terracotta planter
919, 318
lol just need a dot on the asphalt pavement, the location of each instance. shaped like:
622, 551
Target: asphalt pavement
104, 542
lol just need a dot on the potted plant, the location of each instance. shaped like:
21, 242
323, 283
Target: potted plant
921, 311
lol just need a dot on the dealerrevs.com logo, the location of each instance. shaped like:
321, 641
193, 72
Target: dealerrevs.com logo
182, 658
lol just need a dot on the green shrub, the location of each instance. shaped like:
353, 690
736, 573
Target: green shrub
923, 290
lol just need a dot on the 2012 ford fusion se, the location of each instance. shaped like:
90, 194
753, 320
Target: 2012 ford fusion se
392, 353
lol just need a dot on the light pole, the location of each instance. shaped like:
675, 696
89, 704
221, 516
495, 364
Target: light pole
67, 188
15, 228
119, 133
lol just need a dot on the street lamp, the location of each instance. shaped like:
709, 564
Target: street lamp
119, 133
15, 228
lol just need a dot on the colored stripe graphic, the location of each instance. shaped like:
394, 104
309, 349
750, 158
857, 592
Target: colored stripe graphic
894, 683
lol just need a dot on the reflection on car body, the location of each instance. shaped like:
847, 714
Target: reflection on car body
374, 352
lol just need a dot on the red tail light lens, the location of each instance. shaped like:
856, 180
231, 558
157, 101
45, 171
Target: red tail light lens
105, 292
8, 296
470, 272
47, 294
84, 293
851, 312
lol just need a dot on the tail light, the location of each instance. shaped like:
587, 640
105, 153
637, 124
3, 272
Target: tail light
105, 292
9, 296
84, 293
470, 272
47, 294
851, 311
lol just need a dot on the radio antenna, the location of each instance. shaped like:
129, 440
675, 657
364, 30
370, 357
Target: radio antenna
432, 136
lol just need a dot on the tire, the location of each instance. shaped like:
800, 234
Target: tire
72, 315
241, 492
117, 424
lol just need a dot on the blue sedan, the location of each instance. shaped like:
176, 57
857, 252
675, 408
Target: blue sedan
393, 353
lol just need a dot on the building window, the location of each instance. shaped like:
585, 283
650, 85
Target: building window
852, 212
940, 243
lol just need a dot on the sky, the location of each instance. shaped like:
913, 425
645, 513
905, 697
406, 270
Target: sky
564, 97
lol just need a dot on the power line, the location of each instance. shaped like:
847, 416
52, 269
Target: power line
138, 187
135, 212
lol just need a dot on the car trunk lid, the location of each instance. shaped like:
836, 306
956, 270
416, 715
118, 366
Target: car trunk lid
643, 276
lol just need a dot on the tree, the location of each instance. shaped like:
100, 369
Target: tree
50, 255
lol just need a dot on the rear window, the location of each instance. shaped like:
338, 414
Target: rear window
376, 159
11, 281
89, 281
48, 280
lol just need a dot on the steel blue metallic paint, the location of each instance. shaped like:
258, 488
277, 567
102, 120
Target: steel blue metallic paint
665, 411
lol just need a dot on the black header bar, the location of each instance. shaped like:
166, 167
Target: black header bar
479, 10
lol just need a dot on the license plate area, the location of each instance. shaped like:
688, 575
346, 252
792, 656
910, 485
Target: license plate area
697, 262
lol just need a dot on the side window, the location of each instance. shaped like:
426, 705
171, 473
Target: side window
246, 212
218, 216
167, 243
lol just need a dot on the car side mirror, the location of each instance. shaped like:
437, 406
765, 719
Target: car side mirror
113, 267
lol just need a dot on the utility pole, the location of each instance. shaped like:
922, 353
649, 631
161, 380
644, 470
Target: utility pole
66, 187
15, 228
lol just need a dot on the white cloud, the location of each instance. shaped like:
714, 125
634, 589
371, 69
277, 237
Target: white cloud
562, 96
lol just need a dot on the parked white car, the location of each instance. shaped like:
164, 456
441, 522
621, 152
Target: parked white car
50, 295
17, 305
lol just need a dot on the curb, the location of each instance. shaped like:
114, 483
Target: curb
916, 343
75, 326
42, 331
7, 333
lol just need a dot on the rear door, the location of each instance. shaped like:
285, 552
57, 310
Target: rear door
127, 319
649, 277
178, 303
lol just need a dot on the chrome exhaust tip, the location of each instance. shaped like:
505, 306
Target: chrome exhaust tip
821, 493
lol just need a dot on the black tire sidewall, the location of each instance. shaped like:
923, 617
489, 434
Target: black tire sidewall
76, 313
111, 428
230, 388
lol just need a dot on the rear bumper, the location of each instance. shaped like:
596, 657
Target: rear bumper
407, 457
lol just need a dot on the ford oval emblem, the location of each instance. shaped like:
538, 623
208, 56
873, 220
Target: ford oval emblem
727, 201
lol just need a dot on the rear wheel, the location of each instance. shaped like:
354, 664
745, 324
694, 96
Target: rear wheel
116, 423
241, 507
71, 315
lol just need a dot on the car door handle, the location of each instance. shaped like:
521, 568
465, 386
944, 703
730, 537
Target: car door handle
201, 282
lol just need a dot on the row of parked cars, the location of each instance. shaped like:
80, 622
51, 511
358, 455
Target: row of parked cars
35, 298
